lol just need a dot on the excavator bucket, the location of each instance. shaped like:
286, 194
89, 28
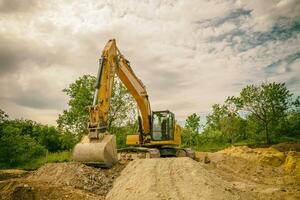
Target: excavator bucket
97, 152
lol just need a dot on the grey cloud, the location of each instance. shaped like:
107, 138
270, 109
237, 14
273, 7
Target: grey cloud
11, 6
287, 60
16, 52
245, 40
34, 97
234, 16
176, 58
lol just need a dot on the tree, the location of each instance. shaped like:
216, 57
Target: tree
231, 121
191, 130
214, 119
193, 122
225, 118
80, 93
75, 118
266, 103
3, 116
16, 148
122, 106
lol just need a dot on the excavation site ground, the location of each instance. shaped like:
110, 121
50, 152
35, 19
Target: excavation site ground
233, 173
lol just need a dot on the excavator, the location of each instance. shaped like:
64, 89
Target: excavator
158, 135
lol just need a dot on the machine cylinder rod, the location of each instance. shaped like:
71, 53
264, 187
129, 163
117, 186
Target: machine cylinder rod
97, 86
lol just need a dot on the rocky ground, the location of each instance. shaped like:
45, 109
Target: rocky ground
233, 173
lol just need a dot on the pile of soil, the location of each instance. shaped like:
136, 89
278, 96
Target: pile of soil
76, 175
287, 146
12, 173
268, 172
30, 190
233, 173
172, 178
63, 181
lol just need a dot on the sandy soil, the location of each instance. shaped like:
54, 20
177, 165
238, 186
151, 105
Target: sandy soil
234, 173
62, 181
169, 178
12, 173
263, 173
184, 178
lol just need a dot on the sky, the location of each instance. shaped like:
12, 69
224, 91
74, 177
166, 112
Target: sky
189, 54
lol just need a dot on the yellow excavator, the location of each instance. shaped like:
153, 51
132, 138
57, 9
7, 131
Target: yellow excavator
158, 135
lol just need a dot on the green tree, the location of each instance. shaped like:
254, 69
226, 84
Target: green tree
75, 118
16, 148
231, 122
3, 116
267, 104
123, 108
290, 125
50, 138
214, 119
67, 141
225, 118
191, 130
80, 93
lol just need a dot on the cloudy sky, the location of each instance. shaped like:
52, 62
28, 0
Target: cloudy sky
189, 54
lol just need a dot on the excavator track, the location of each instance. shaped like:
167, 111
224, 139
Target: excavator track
132, 153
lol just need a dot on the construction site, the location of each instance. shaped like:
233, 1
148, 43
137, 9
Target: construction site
149, 100
233, 173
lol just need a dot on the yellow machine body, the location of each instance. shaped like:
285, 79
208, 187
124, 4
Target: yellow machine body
156, 128
134, 139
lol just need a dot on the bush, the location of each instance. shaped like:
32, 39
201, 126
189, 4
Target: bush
67, 141
22, 141
16, 149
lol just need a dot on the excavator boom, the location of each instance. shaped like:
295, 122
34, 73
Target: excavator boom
156, 128
99, 146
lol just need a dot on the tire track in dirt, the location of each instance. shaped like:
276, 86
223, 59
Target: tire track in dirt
169, 179
165, 181
174, 181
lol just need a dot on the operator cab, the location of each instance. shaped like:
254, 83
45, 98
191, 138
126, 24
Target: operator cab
162, 125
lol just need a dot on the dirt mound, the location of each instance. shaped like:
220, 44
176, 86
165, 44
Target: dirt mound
233, 173
292, 163
266, 156
75, 175
266, 171
29, 190
289, 160
287, 146
62, 181
12, 173
170, 178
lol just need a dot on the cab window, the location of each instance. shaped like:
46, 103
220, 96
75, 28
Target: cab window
162, 125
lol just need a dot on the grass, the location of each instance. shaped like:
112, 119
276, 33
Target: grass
211, 147
64, 156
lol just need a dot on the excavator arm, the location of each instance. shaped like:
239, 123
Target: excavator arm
138, 91
113, 62
99, 147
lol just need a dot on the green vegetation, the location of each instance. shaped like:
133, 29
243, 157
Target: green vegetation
22, 141
28, 144
57, 157
263, 114
260, 115
122, 114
